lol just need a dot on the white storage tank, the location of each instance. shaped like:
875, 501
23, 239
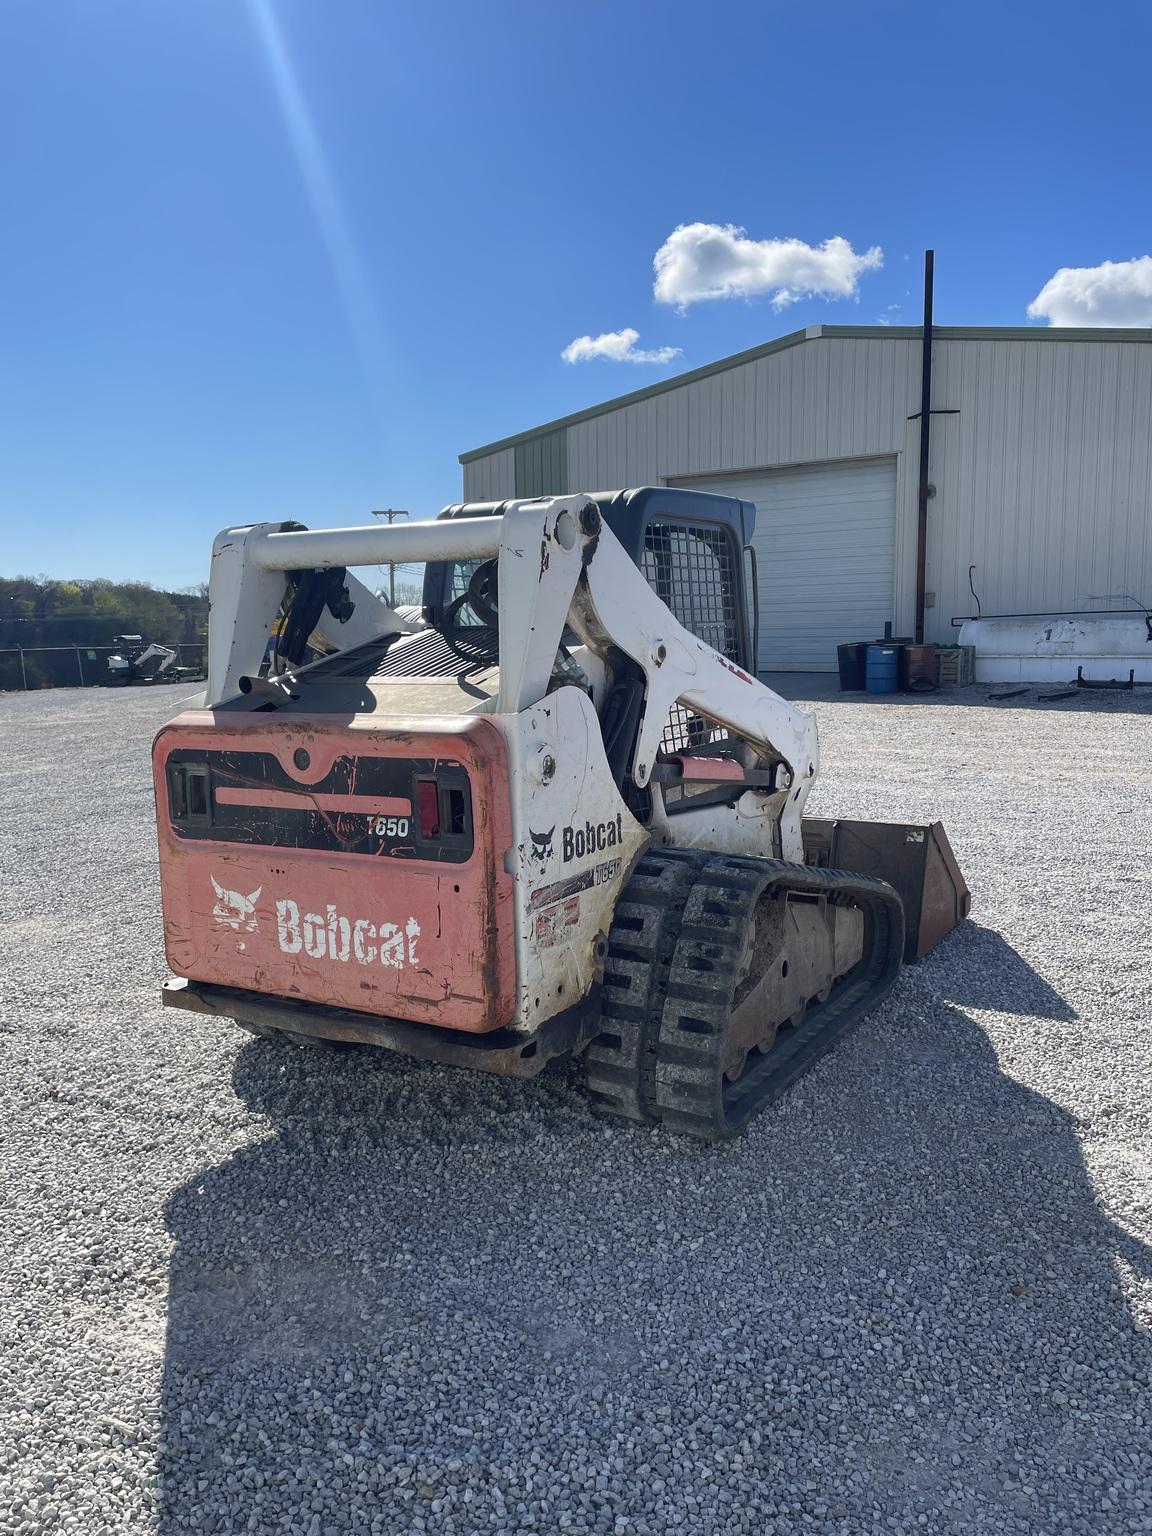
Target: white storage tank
1048, 648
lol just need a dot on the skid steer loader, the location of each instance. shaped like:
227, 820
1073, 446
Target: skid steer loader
556, 816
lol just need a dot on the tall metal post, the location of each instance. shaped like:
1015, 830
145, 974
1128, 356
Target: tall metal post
390, 513
925, 444
80, 666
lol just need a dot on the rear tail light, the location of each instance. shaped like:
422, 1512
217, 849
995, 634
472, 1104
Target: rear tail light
428, 807
443, 806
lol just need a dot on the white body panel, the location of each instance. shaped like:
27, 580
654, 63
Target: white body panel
1049, 649
567, 881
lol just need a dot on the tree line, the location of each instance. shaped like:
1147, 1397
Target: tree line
38, 611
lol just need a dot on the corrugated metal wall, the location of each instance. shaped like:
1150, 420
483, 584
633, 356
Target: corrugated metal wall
491, 478
1043, 480
819, 400
542, 464
536, 467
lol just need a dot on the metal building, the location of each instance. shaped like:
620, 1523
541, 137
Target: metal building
1040, 472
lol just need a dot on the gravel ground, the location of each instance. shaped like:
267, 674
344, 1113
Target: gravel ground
251, 1287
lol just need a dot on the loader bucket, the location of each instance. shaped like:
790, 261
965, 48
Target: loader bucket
917, 861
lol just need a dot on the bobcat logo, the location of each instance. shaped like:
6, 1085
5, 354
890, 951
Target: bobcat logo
542, 844
235, 910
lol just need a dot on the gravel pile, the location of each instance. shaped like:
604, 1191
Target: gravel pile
250, 1287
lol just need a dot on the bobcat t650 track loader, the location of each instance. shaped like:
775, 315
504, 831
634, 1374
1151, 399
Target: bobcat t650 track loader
556, 815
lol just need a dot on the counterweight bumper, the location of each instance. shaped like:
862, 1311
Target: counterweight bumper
507, 1052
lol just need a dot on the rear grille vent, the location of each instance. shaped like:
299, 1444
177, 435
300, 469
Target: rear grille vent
427, 654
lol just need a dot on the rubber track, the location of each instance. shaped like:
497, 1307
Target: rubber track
674, 956
620, 1064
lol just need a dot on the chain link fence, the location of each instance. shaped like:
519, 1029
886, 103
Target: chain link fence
72, 666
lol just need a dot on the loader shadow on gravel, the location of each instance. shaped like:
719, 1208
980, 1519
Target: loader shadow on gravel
436, 1301
983, 971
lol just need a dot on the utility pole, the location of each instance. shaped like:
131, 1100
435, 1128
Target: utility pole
925, 436
390, 513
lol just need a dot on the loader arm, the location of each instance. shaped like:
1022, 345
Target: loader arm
561, 564
615, 606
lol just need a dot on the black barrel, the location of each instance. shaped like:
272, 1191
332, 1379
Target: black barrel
852, 661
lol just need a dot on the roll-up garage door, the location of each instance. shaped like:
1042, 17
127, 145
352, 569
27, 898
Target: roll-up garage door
826, 555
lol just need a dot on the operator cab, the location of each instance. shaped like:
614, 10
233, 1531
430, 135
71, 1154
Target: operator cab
694, 548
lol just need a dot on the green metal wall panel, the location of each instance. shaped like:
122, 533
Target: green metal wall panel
542, 464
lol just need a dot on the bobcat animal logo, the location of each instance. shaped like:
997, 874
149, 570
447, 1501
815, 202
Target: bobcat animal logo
238, 912
542, 844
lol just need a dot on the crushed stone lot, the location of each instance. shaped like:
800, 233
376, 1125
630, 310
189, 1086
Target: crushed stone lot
251, 1287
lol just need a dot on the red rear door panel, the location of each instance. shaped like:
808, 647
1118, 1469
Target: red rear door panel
293, 862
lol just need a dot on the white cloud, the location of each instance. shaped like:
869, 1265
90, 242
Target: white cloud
1114, 293
718, 261
617, 347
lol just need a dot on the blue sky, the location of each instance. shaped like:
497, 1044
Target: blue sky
287, 258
